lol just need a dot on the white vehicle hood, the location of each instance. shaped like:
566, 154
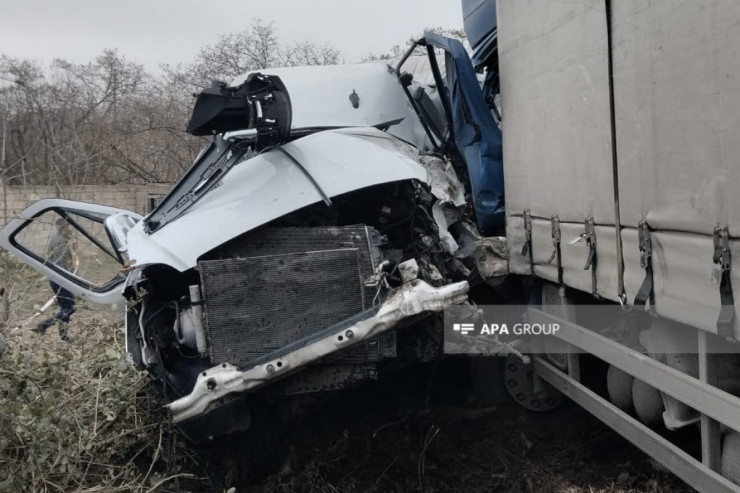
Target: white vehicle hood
320, 98
270, 185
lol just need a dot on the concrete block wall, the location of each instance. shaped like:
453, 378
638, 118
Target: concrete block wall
137, 198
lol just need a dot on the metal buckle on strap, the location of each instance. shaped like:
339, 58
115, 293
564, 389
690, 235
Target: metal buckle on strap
645, 293
646, 244
556, 236
590, 236
722, 264
722, 260
556, 252
527, 233
527, 249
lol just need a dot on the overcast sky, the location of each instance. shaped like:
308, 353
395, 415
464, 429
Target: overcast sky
171, 31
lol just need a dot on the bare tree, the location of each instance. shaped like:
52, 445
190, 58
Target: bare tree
307, 53
109, 121
255, 48
397, 51
100, 122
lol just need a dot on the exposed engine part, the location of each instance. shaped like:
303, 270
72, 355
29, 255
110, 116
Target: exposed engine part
197, 319
147, 355
378, 278
187, 324
409, 270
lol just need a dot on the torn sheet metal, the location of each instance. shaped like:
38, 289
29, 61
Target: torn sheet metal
468, 238
450, 195
443, 180
492, 258
444, 215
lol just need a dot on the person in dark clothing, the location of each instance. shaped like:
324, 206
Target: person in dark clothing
66, 302
62, 253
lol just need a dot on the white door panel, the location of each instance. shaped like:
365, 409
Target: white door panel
73, 245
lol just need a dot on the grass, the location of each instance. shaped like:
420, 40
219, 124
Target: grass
75, 416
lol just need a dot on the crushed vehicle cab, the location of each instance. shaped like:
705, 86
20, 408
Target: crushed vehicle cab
333, 209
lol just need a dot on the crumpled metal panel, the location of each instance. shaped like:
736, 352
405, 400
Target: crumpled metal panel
257, 305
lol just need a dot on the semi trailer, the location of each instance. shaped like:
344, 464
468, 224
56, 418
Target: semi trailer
619, 123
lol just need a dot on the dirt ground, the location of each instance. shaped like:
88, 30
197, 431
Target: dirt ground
406, 435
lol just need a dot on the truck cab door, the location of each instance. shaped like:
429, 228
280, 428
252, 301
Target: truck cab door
473, 129
93, 254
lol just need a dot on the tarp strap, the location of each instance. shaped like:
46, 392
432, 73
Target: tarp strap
555, 226
590, 236
527, 248
646, 262
721, 269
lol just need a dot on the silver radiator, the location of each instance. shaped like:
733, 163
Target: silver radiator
283, 284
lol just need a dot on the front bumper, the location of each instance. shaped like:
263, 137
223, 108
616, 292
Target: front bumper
217, 384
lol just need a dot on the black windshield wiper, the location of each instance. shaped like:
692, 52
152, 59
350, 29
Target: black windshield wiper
208, 170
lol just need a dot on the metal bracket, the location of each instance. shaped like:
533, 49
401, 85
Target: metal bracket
722, 259
646, 254
590, 236
555, 228
722, 265
556, 252
527, 233
646, 244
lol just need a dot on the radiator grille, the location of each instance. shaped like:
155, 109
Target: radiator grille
277, 241
307, 273
257, 305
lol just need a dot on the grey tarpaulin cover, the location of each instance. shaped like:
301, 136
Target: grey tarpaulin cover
676, 77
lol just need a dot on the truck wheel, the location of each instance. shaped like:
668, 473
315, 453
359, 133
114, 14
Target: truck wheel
648, 403
528, 392
619, 386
